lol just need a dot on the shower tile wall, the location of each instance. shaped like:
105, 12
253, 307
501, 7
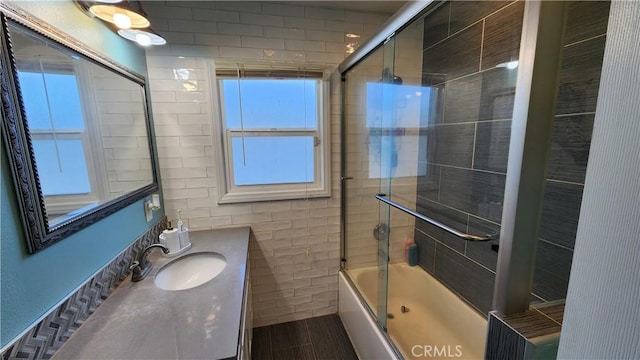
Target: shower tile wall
468, 146
466, 50
583, 51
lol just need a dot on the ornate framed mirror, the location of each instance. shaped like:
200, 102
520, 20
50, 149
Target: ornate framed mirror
76, 128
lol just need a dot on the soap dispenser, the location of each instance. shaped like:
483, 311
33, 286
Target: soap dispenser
183, 233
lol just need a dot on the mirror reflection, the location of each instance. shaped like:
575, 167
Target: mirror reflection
87, 127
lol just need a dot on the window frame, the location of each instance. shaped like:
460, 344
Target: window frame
228, 192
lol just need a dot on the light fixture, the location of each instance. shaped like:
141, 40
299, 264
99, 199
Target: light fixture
144, 37
125, 17
122, 14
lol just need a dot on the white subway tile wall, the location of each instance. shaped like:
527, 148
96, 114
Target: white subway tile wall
126, 148
295, 249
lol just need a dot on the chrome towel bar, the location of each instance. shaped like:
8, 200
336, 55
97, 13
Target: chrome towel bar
433, 222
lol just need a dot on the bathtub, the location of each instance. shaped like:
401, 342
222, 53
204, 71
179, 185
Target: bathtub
435, 323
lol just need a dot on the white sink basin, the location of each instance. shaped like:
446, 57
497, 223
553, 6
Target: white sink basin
190, 271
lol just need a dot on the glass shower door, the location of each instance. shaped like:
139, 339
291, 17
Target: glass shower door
367, 162
449, 127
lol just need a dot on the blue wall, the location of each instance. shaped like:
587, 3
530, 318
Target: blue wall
30, 285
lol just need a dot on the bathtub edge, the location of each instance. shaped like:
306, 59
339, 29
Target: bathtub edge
367, 339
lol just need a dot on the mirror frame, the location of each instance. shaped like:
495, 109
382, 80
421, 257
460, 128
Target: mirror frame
17, 140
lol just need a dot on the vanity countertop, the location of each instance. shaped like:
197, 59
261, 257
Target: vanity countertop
139, 320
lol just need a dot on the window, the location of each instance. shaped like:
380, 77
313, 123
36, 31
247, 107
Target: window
273, 133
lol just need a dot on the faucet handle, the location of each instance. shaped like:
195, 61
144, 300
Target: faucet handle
142, 266
136, 271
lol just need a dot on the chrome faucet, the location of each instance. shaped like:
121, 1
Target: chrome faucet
142, 267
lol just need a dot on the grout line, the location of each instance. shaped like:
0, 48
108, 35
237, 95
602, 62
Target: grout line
450, 35
547, 316
565, 182
313, 346
467, 231
462, 211
482, 44
469, 122
502, 8
585, 40
306, 327
479, 264
555, 244
468, 169
463, 77
457, 252
435, 257
468, 26
576, 114
439, 182
444, 105
485, 220
449, 21
539, 297
473, 149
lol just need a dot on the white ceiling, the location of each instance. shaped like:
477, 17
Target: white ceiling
378, 6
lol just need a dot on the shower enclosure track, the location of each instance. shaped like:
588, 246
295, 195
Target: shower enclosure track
450, 230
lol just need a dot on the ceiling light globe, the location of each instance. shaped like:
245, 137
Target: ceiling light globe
121, 20
143, 39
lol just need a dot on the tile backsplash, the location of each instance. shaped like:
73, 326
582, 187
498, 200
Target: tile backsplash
48, 335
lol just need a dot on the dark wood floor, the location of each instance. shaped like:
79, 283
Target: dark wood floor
320, 338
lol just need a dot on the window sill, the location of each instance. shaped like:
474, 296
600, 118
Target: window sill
249, 197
